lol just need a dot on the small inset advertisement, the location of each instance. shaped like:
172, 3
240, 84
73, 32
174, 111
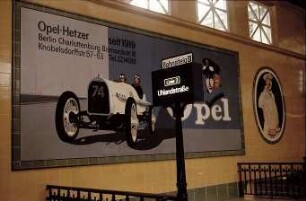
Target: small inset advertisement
269, 105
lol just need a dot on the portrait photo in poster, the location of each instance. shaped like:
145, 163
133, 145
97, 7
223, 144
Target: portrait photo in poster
269, 105
212, 81
86, 93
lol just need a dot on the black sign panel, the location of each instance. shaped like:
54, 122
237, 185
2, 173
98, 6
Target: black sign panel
178, 84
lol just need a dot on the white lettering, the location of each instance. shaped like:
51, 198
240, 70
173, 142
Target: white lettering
214, 112
200, 116
187, 112
204, 112
164, 92
226, 116
177, 61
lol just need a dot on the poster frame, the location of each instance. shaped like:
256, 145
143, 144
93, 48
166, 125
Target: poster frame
19, 164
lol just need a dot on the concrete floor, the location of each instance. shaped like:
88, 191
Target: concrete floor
257, 198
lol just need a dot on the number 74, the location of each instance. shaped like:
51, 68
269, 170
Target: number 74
98, 91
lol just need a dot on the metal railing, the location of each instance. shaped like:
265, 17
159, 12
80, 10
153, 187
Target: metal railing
272, 179
62, 193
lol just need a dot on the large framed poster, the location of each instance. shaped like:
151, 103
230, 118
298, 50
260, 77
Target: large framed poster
82, 94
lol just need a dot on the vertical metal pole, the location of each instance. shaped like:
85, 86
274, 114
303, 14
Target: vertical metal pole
180, 159
281, 180
245, 185
240, 184
255, 180
260, 180
304, 173
250, 177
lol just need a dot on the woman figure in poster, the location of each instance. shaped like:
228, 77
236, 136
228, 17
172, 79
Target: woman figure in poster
268, 105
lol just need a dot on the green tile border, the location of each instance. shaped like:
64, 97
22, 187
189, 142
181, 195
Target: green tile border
219, 192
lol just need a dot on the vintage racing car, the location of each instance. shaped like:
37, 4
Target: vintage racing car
111, 106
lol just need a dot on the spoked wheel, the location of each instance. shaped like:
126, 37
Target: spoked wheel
67, 116
132, 122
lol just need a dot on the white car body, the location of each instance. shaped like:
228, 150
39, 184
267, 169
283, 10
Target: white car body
119, 92
111, 106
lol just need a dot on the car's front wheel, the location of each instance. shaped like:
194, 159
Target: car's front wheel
67, 115
132, 122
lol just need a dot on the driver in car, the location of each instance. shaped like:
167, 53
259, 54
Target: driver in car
136, 85
122, 78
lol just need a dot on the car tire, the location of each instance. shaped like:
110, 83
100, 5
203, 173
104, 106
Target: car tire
67, 116
132, 122
151, 121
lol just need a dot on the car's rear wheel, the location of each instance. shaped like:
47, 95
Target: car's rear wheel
132, 122
67, 117
151, 121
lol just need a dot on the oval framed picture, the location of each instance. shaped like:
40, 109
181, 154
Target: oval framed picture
269, 105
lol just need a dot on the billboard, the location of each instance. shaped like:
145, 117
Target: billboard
59, 54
